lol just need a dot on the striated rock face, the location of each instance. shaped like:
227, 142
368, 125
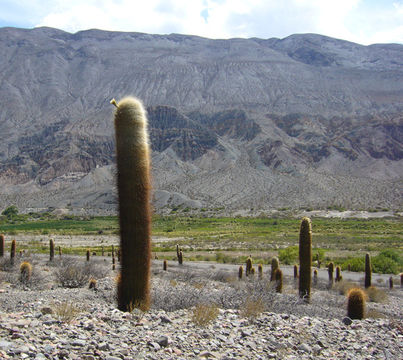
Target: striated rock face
236, 123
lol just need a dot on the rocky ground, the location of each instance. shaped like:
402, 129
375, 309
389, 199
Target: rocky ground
194, 314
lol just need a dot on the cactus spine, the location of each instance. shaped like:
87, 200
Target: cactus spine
2, 243
12, 251
134, 188
51, 250
274, 266
368, 271
305, 258
356, 303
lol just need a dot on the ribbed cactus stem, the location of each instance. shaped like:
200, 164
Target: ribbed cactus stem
248, 266
391, 282
278, 277
165, 265
2, 245
368, 271
356, 303
134, 189
51, 249
274, 266
338, 274
330, 271
305, 259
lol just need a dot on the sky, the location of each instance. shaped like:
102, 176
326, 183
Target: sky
361, 21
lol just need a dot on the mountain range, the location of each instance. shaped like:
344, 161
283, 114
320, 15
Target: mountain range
304, 121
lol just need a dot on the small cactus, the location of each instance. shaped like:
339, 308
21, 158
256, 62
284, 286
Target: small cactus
391, 282
368, 271
305, 259
295, 271
248, 266
51, 250
60, 251
356, 303
2, 244
13, 250
25, 271
330, 270
88, 254
252, 271
92, 284
240, 272
338, 274
180, 257
278, 277
315, 277
165, 265
274, 266
260, 271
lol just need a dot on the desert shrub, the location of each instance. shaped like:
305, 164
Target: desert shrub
204, 314
356, 264
66, 311
288, 255
376, 295
252, 308
387, 262
342, 287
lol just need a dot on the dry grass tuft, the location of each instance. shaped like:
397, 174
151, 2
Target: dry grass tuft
204, 314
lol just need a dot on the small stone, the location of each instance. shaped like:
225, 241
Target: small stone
206, 354
305, 347
78, 342
347, 321
154, 345
103, 346
163, 341
245, 333
46, 310
165, 319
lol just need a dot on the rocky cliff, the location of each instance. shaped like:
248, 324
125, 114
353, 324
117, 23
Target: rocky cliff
242, 123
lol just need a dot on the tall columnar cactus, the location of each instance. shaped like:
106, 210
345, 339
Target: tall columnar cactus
51, 249
278, 277
2, 244
330, 270
240, 272
13, 250
274, 266
180, 257
305, 258
356, 303
295, 271
260, 271
338, 274
249, 266
391, 282
134, 188
165, 265
368, 271
88, 254
315, 277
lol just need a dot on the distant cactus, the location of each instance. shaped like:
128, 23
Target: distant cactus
13, 250
60, 251
295, 271
2, 245
318, 260
315, 277
88, 254
248, 266
368, 271
260, 271
330, 270
338, 274
391, 282
113, 251
25, 271
240, 272
401, 279
252, 271
356, 303
119, 254
305, 258
278, 277
165, 265
92, 284
51, 250
349, 267
180, 257
177, 251
274, 266
134, 192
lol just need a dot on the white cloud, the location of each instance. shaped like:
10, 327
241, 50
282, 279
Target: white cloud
355, 20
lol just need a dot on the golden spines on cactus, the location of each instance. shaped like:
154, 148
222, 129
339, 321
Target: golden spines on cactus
134, 189
305, 258
368, 271
25, 271
356, 303
2, 245
274, 266
51, 249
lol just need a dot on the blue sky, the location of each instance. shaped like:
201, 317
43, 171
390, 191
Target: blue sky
362, 21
